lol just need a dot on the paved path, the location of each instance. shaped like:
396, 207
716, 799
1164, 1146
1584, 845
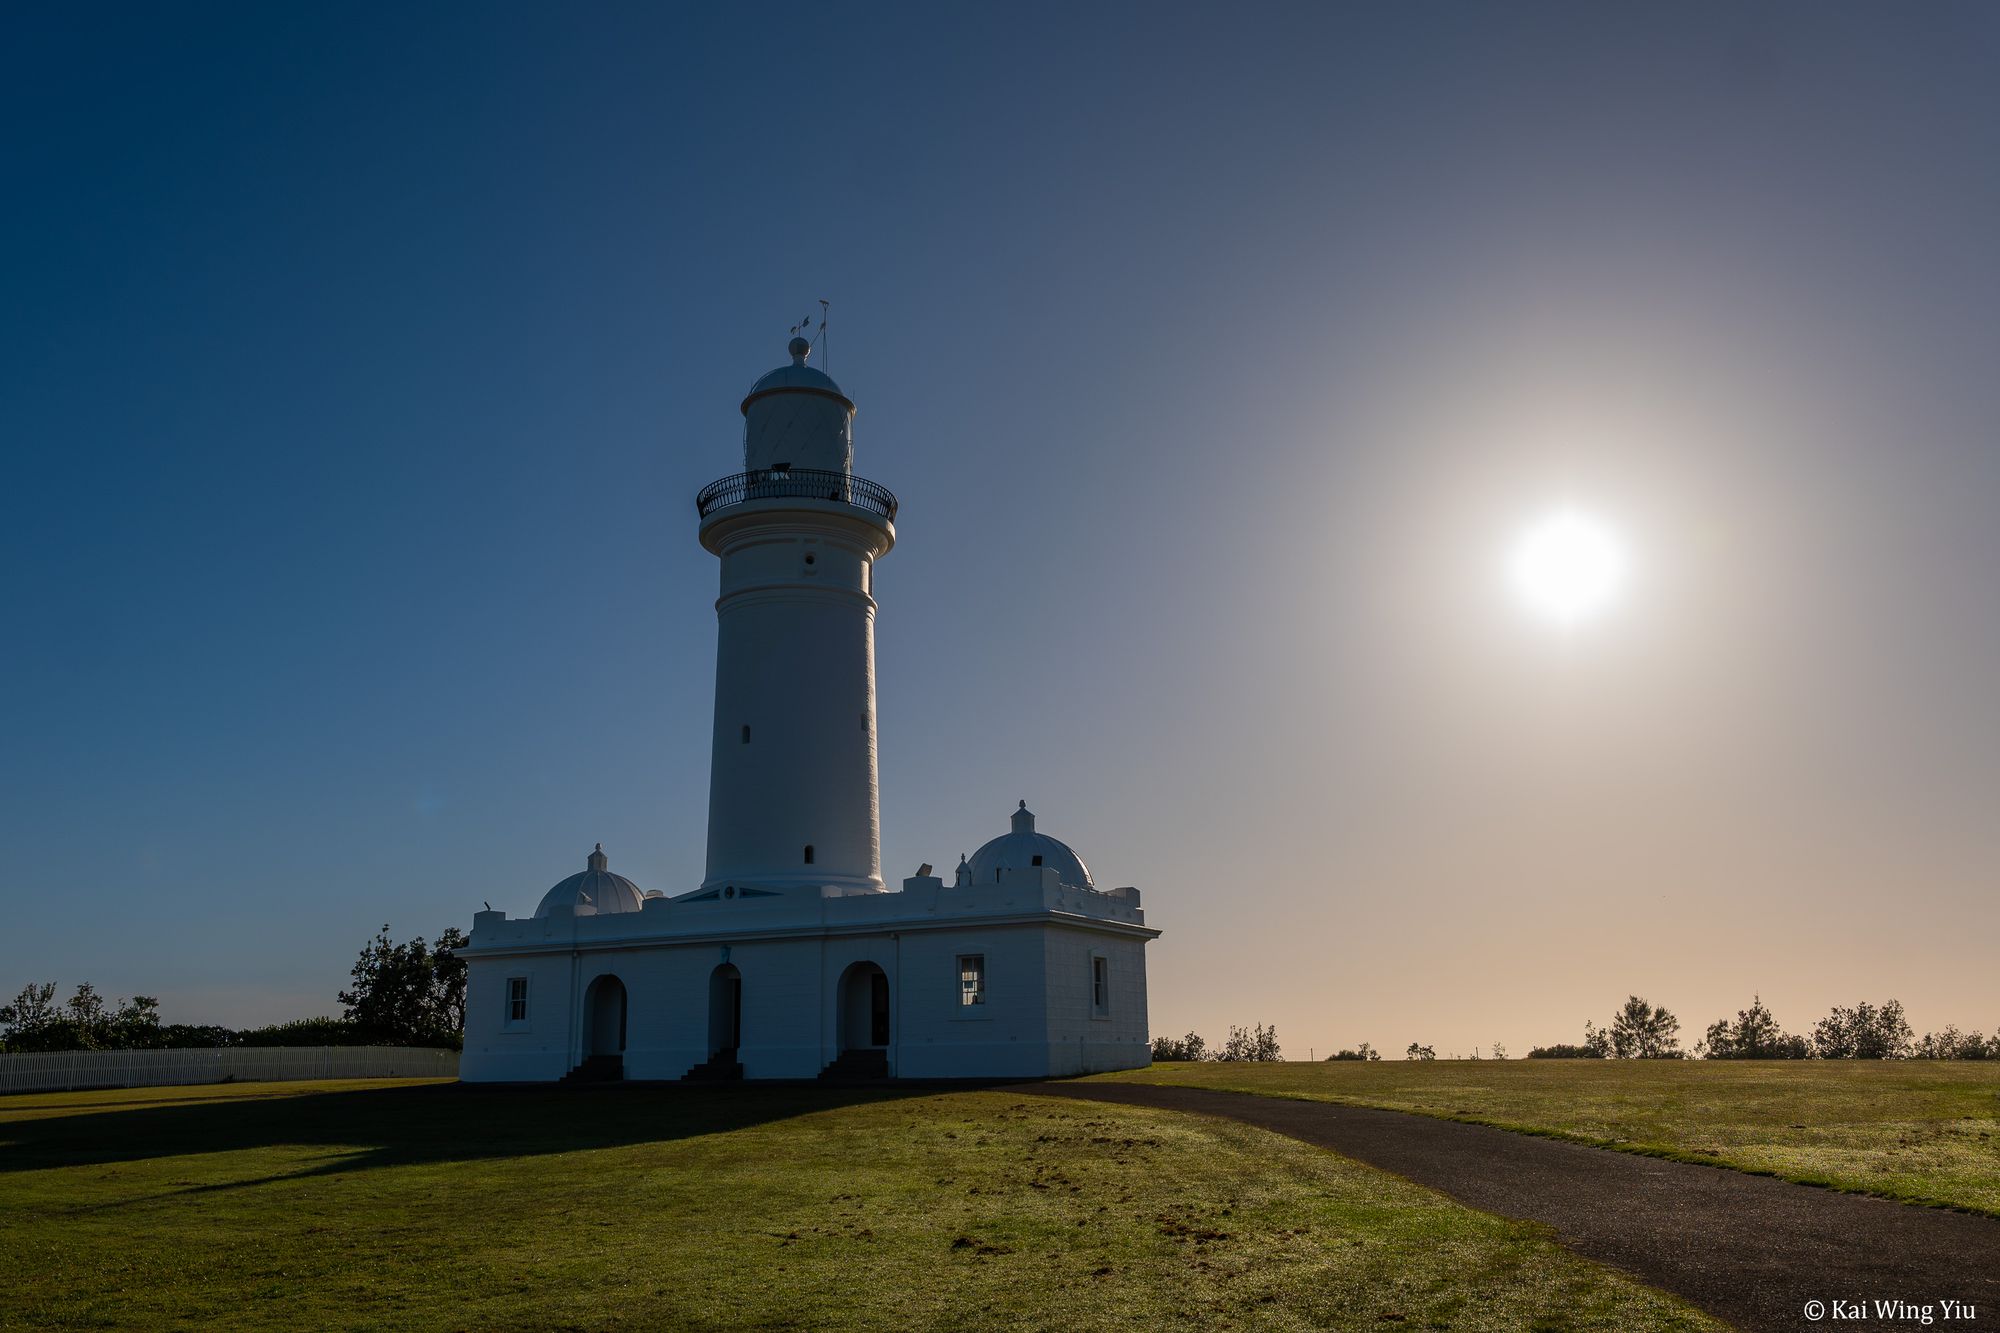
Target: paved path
1749, 1249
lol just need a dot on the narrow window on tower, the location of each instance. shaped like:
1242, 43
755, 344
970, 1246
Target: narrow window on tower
1100, 984
746, 733
517, 1000
809, 854
971, 979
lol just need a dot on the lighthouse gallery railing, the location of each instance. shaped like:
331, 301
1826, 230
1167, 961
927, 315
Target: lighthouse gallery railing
796, 484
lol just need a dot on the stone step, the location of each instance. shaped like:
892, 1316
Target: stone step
722, 1067
857, 1065
597, 1069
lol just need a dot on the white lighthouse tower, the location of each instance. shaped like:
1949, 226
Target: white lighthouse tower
793, 959
792, 780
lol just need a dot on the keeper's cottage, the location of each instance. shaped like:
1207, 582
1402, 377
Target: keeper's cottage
793, 959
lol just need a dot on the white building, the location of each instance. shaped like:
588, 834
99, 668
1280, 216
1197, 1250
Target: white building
793, 959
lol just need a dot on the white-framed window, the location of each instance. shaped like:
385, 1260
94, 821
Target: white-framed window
517, 1001
1100, 985
971, 979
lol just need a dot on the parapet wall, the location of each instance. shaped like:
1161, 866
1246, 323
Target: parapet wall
728, 913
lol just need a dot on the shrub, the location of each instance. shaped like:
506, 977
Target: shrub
1416, 1052
1168, 1049
1951, 1044
1366, 1052
316, 1032
1560, 1051
1258, 1043
196, 1036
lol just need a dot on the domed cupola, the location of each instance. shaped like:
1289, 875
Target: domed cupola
1025, 849
594, 892
796, 417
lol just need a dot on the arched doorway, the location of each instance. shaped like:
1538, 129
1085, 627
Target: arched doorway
604, 1017
864, 1008
725, 1011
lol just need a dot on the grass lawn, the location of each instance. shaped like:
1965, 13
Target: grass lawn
1924, 1131
365, 1205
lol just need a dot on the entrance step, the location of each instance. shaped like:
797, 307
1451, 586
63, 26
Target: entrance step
857, 1066
722, 1067
597, 1069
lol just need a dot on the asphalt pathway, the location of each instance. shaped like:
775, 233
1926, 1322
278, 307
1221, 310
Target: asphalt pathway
1749, 1249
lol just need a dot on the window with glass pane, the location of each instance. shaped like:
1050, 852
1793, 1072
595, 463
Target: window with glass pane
517, 999
971, 979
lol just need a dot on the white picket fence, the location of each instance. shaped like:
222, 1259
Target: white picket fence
59, 1071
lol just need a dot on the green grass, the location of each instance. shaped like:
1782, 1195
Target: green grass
382, 1205
1923, 1131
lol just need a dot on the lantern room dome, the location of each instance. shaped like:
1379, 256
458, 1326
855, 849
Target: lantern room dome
797, 377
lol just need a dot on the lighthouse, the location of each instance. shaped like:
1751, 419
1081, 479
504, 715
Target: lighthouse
792, 775
793, 959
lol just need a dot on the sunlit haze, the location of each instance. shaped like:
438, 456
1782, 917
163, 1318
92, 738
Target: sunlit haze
1475, 512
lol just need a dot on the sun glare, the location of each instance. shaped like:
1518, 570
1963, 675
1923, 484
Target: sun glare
1568, 567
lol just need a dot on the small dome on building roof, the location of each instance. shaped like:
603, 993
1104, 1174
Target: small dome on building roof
594, 892
1025, 849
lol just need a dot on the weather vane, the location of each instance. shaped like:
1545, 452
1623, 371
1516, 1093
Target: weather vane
826, 349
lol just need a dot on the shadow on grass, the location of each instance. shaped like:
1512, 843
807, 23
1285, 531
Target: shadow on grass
402, 1126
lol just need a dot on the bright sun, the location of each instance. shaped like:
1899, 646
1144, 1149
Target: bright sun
1567, 567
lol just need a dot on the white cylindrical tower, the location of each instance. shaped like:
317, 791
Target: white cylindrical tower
792, 797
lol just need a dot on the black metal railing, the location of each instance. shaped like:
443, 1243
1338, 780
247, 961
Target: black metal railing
797, 483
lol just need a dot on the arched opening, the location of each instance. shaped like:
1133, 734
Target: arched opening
864, 1008
725, 1011
604, 1016
809, 854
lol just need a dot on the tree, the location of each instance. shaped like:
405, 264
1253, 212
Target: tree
1416, 1052
1499, 1051
1640, 1031
448, 969
1363, 1052
1864, 1033
1559, 1051
1755, 1035
24, 1021
1258, 1043
409, 994
35, 1022
1190, 1047
1951, 1044
1596, 1040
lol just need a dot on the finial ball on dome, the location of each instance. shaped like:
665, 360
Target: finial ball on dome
800, 350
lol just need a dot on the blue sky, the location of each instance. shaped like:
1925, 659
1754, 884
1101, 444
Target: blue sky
358, 366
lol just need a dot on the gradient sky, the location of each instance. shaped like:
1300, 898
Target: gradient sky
359, 365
